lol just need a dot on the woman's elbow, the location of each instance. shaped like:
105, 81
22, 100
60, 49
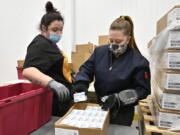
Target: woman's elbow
27, 72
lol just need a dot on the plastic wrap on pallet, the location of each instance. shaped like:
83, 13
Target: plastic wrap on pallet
169, 39
168, 80
168, 100
165, 119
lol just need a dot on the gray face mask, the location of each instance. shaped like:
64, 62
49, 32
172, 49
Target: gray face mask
118, 50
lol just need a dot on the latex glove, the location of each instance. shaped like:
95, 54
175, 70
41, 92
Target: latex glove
60, 90
81, 87
123, 98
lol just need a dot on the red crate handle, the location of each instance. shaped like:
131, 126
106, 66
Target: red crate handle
8, 100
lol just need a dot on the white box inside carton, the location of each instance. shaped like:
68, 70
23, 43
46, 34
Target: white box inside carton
80, 128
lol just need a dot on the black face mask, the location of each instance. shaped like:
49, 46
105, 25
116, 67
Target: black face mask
117, 49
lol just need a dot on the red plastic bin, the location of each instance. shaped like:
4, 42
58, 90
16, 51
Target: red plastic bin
19, 72
24, 107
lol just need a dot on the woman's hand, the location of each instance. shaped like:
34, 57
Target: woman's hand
81, 86
123, 98
60, 90
37, 77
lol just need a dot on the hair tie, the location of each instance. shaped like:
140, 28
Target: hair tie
122, 17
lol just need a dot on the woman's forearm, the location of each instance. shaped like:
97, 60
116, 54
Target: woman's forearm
36, 76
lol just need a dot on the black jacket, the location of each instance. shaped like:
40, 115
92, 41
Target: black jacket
112, 75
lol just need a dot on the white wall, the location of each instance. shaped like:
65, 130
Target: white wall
93, 18
19, 24
84, 21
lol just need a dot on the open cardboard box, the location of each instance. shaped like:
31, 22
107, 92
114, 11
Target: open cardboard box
60, 129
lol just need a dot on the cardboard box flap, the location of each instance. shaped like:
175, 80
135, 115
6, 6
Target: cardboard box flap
84, 131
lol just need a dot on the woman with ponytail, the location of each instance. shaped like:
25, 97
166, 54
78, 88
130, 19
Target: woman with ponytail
46, 65
122, 74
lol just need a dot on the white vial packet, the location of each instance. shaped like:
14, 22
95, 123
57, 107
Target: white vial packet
91, 117
79, 97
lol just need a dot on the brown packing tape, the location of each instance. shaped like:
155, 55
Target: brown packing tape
162, 23
173, 51
103, 39
84, 131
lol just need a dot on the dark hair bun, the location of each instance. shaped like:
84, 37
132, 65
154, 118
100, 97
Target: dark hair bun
50, 8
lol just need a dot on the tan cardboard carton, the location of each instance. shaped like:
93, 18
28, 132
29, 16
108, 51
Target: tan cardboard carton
85, 48
170, 17
59, 128
103, 39
164, 118
78, 59
20, 63
166, 100
168, 80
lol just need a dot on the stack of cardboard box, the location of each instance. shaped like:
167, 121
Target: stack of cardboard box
83, 52
165, 66
103, 40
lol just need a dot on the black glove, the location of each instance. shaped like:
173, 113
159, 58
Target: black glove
108, 102
81, 86
123, 98
60, 90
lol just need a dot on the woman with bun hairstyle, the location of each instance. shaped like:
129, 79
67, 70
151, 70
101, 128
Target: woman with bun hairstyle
122, 74
46, 65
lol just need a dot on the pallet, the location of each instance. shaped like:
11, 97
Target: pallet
146, 121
